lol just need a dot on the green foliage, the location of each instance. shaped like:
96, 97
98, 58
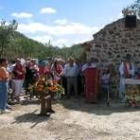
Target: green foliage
133, 9
6, 31
14, 44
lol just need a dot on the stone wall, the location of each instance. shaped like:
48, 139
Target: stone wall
112, 44
115, 41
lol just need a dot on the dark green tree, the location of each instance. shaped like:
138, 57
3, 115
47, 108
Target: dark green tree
6, 31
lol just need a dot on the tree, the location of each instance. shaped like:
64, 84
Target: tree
6, 31
14, 44
133, 9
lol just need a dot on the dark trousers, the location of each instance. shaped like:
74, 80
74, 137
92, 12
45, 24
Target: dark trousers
72, 83
3, 94
64, 84
80, 84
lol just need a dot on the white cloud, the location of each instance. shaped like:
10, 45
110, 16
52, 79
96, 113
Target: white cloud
47, 10
59, 34
46, 38
84, 39
22, 15
42, 38
61, 21
61, 42
57, 30
120, 15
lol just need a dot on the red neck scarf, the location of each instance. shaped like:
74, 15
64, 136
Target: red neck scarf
126, 73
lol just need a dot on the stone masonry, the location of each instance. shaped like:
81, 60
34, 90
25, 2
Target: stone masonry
111, 44
115, 41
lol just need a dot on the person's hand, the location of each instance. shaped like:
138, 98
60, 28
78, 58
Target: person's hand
19, 73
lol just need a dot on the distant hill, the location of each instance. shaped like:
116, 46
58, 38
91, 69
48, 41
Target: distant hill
22, 46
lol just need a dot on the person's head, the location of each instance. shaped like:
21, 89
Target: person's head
77, 61
88, 61
106, 69
33, 62
127, 58
60, 61
18, 61
71, 60
3, 62
50, 60
28, 63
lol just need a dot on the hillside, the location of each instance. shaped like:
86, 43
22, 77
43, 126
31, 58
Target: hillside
21, 46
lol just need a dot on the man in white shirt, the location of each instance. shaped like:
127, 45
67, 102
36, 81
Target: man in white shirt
126, 70
88, 64
71, 72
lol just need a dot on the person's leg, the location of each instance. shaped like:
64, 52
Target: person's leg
83, 86
121, 89
13, 90
64, 81
17, 90
75, 86
69, 85
21, 85
26, 84
4, 94
1, 94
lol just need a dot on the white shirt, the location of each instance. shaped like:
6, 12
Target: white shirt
85, 66
130, 71
70, 71
10, 67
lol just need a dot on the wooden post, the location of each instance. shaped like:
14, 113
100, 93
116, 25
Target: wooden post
46, 104
43, 106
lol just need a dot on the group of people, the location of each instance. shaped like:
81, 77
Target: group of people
17, 75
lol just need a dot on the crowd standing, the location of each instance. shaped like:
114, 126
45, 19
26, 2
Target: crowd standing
18, 75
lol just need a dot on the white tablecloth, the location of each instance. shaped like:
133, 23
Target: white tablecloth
131, 81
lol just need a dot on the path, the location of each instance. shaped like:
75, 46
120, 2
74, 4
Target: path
73, 120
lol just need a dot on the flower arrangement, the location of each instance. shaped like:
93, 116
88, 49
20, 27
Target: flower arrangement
133, 95
44, 86
46, 89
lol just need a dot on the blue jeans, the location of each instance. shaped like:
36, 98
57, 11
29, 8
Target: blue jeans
3, 94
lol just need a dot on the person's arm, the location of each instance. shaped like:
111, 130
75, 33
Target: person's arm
64, 72
84, 68
5, 74
93, 65
121, 69
132, 70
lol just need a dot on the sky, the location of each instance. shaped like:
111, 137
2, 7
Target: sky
62, 22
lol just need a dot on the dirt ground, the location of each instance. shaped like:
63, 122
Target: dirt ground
74, 120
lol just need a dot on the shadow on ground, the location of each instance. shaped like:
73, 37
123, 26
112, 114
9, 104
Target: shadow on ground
31, 118
30, 101
98, 109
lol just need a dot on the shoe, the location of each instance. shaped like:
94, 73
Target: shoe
8, 107
42, 115
11, 103
50, 111
5, 111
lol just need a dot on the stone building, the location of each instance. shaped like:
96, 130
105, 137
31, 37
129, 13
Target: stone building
113, 42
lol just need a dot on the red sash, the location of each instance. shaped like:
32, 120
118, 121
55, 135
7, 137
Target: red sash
126, 73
